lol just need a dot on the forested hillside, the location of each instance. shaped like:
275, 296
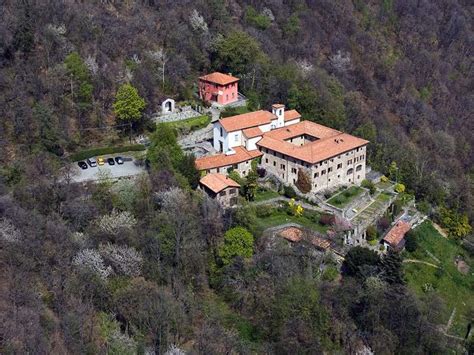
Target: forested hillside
104, 268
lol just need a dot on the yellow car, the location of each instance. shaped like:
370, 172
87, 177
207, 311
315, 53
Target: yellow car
100, 161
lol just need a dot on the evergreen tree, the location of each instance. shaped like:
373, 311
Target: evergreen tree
128, 105
392, 268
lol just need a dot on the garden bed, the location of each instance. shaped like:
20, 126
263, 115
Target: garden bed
190, 124
345, 197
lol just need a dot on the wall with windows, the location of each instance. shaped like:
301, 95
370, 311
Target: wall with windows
344, 169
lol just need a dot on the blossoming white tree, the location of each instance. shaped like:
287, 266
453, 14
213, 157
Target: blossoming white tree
123, 259
90, 260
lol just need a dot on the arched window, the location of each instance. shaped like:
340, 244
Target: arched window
359, 167
350, 171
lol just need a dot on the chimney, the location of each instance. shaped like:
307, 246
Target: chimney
279, 111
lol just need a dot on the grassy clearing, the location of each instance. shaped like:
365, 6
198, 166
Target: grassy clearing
190, 124
345, 197
279, 217
263, 195
456, 289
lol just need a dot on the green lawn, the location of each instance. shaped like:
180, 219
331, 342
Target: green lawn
383, 185
233, 111
456, 289
190, 124
263, 195
345, 197
280, 217
374, 207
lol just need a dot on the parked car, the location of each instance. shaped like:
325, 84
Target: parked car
110, 161
119, 160
82, 165
92, 162
100, 161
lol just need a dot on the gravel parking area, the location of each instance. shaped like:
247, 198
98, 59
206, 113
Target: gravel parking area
127, 169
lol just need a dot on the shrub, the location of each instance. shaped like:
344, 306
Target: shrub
329, 274
369, 185
261, 172
399, 188
264, 211
384, 178
327, 219
89, 153
371, 233
289, 191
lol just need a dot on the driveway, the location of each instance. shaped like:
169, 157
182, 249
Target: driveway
127, 169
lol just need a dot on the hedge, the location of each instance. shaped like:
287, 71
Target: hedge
105, 150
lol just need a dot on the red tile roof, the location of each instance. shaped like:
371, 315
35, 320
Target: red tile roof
247, 120
291, 115
278, 105
217, 182
253, 132
329, 142
219, 78
397, 233
220, 160
292, 234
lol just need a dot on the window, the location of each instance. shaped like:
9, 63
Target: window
349, 162
236, 137
222, 193
339, 166
316, 175
293, 170
325, 162
233, 95
350, 171
235, 166
329, 170
233, 201
247, 162
266, 160
233, 191
359, 167
222, 135
362, 157
282, 166
227, 97
338, 176
323, 172
332, 160
274, 163
218, 170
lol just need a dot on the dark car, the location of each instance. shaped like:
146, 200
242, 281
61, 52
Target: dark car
82, 165
110, 161
92, 162
119, 160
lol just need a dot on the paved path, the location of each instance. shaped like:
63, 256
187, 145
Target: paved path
420, 262
286, 199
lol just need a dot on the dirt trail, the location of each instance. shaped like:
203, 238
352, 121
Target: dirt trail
420, 262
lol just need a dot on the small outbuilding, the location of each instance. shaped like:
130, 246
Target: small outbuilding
395, 238
221, 188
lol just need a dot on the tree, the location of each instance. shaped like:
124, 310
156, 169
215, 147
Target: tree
411, 242
250, 186
392, 268
128, 105
240, 53
360, 262
457, 224
187, 167
303, 183
237, 242
371, 233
